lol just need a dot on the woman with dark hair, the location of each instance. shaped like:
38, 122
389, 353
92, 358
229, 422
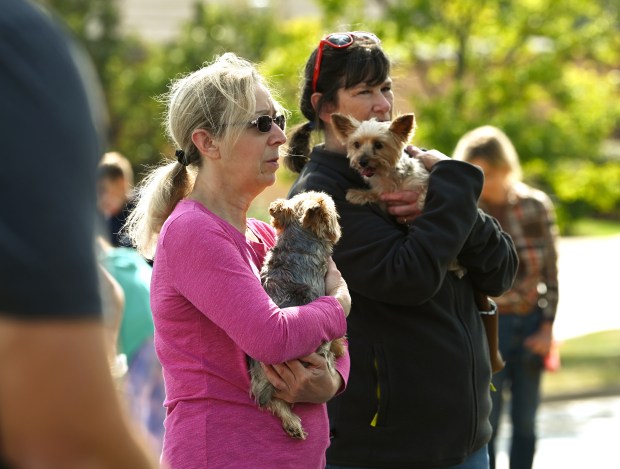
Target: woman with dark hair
419, 384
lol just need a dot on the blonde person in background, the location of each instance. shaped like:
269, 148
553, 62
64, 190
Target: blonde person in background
528, 310
209, 307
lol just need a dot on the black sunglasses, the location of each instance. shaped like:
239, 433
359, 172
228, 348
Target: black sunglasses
264, 123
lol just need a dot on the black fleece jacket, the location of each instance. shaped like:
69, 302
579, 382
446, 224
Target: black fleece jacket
419, 357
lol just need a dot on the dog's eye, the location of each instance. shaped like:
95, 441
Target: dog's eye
378, 145
357, 145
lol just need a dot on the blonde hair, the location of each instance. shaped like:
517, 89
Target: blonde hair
490, 144
217, 97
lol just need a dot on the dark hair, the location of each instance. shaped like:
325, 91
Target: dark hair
362, 62
108, 172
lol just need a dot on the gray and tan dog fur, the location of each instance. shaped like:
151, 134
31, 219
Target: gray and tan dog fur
293, 274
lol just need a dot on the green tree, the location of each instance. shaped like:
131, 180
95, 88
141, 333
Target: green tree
542, 70
546, 71
519, 65
95, 24
127, 74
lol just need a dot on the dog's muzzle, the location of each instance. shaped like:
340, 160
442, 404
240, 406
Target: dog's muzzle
364, 168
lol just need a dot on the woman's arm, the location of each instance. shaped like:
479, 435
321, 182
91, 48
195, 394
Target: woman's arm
407, 265
489, 256
213, 272
58, 403
550, 258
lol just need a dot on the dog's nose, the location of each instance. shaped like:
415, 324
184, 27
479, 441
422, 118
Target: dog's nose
363, 162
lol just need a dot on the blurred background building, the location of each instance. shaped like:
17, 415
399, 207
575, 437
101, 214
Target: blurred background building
160, 20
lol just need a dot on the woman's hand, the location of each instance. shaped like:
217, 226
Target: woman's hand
429, 158
402, 204
306, 379
540, 341
336, 286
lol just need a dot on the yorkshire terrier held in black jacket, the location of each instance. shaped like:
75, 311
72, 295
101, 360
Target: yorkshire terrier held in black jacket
376, 150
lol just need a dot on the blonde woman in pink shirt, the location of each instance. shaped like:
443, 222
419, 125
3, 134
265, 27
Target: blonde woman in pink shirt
209, 308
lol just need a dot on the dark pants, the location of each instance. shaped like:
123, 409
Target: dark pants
477, 460
521, 378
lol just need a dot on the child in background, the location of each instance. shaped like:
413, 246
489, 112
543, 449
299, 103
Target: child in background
115, 195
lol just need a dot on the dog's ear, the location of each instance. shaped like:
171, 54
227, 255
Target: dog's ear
331, 227
344, 126
321, 218
280, 212
403, 126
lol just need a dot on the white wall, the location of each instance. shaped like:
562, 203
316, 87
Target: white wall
160, 20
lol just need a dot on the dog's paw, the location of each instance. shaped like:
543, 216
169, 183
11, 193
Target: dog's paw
291, 422
338, 347
457, 269
294, 429
360, 197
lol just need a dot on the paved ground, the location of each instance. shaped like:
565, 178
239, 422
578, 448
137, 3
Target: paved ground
589, 286
581, 433
573, 435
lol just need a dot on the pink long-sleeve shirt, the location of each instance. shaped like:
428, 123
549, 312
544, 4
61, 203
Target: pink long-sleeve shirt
210, 311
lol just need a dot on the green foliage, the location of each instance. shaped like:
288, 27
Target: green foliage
95, 24
216, 29
140, 77
545, 71
590, 363
595, 227
283, 65
579, 187
587, 187
341, 15
510, 64
129, 75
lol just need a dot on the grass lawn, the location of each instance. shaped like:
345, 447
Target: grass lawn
589, 364
594, 227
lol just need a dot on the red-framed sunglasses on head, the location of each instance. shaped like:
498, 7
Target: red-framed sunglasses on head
339, 41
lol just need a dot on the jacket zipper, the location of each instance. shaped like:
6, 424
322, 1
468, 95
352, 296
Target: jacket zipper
473, 381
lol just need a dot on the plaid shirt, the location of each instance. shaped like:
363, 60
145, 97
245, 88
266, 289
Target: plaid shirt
529, 218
